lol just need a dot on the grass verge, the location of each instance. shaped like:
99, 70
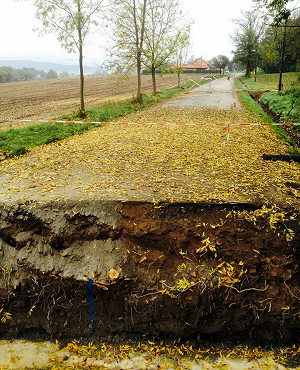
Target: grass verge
15, 142
265, 81
286, 105
238, 84
279, 131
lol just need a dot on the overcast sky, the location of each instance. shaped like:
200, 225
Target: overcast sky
210, 33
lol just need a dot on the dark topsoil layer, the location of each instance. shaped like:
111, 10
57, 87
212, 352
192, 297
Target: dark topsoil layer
202, 271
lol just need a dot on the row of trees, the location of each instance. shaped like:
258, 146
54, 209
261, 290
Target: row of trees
145, 33
269, 40
9, 74
148, 33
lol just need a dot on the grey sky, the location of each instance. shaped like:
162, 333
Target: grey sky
210, 33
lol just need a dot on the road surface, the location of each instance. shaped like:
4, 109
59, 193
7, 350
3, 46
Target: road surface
216, 93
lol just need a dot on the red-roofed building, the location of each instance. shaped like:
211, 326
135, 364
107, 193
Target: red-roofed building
198, 65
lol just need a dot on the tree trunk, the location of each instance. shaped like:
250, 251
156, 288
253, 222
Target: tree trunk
82, 107
139, 47
153, 80
248, 69
281, 65
178, 78
139, 97
79, 30
256, 65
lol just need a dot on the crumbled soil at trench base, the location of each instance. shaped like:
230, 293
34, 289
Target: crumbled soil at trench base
22, 354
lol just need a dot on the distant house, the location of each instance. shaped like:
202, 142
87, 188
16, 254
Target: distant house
199, 65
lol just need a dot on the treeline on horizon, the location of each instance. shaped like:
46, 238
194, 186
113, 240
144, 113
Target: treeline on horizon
10, 74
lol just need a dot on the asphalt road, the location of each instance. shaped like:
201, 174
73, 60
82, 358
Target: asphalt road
217, 93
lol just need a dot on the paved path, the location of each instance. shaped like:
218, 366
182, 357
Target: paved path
217, 93
165, 163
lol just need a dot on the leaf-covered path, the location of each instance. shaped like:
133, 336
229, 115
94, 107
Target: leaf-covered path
158, 163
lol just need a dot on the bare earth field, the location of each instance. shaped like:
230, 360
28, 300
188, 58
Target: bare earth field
47, 99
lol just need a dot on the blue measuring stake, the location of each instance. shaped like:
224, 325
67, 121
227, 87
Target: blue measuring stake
91, 301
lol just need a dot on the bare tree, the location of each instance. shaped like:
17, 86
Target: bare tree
162, 34
129, 17
181, 51
71, 21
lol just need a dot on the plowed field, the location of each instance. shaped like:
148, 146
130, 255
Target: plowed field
51, 98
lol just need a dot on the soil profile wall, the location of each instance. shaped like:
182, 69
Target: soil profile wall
178, 270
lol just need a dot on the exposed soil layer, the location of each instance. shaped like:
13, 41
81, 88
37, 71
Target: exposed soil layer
198, 271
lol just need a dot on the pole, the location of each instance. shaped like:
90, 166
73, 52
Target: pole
91, 303
281, 66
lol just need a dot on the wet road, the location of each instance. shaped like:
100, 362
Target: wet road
216, 93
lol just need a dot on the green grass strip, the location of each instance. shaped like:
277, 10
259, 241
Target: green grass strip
254, 107
15, 142
286, 105
264, 81
238, 84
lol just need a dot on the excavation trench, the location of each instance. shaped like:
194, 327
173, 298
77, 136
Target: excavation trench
204, 271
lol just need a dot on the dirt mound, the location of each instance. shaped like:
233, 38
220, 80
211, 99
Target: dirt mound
200, 271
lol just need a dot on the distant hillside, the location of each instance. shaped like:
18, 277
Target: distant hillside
46, 66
